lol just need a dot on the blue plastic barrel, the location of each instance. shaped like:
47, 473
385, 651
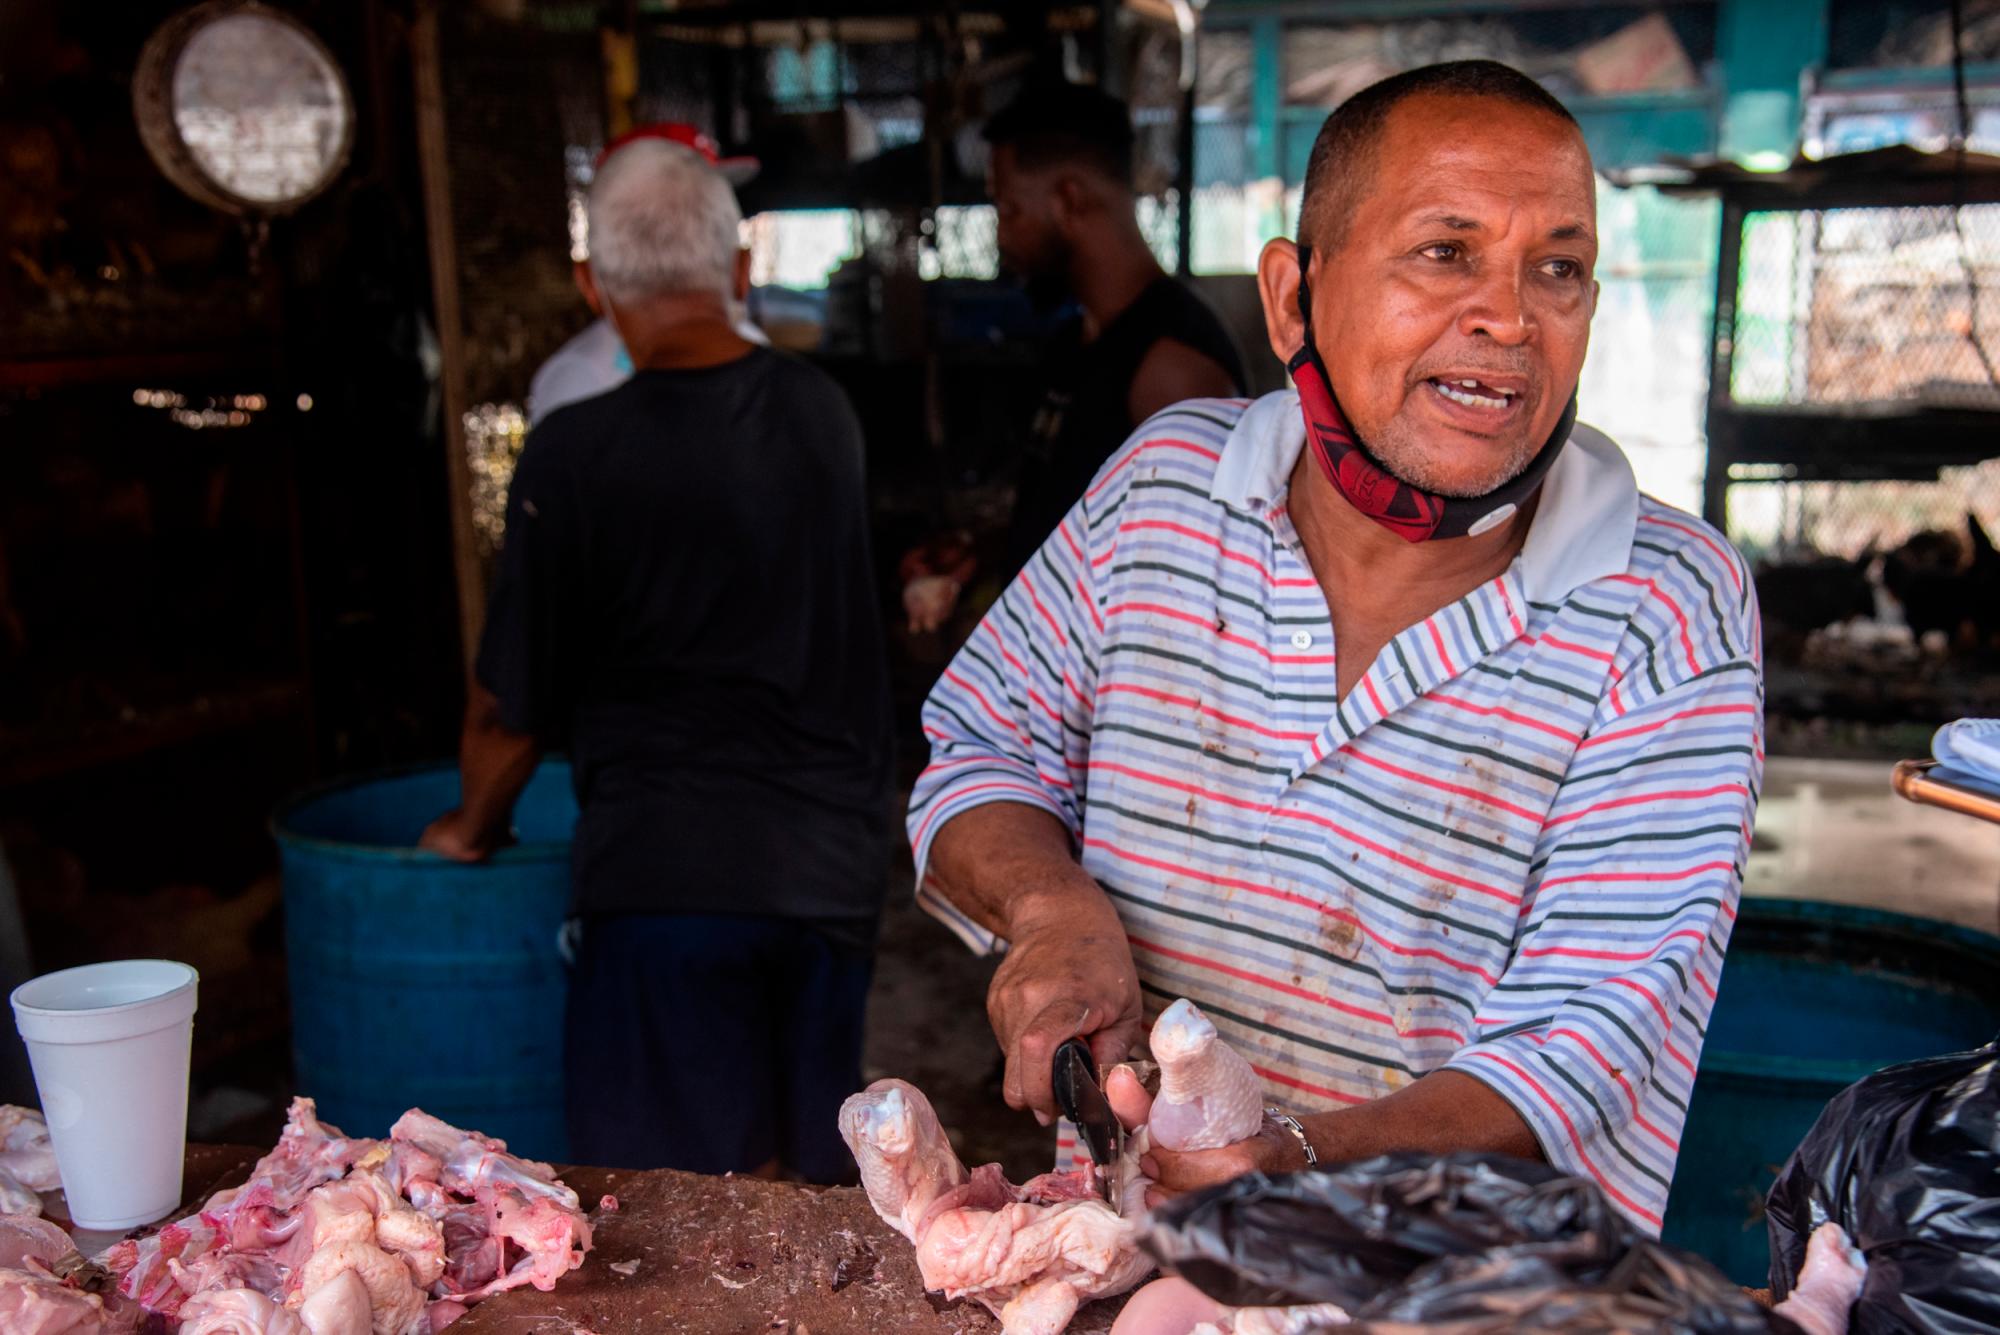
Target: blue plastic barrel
418, 982
1813, 997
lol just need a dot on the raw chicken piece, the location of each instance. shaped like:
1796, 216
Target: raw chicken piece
395, 1304
35, 1302
25, 1236
1276, 1321
1829, 1282
515, 1203
363, 1207
223, 1268
308, 1154
26, 1153
237, 1312
1173, 1306
908, 1162
553, 1239
339, 1308
16, 1199
1032, 1255
443, 1312
145, 1266
1170, 1306
408, 1164
27, 1160
1209, 1095
472, 1163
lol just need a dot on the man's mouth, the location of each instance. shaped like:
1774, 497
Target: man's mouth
1474, 393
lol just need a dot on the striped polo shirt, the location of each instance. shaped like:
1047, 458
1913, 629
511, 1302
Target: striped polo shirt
1514, 850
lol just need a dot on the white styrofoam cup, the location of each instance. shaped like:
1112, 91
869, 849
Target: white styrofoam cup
110, 1045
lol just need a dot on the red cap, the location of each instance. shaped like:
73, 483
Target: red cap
736, 171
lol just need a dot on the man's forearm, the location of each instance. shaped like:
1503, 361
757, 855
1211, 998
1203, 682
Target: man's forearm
1438, 1114
1006, 864
1068, 971
495, 764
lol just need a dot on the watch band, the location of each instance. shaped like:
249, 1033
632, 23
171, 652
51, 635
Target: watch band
1291, 1124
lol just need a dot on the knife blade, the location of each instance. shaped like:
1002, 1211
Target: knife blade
1081, 1099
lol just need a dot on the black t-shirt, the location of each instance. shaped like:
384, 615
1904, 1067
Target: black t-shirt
686, 597
1086, 413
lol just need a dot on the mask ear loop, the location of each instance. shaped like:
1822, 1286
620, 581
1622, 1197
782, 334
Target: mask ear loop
1305, 351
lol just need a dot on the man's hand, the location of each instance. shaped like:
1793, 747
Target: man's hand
455, 836
933, 576
1068, 973
929, 601
1272, 1150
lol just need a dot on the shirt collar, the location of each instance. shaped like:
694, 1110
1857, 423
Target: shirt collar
1582, 530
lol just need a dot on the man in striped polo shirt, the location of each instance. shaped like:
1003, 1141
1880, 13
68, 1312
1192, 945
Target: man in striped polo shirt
1382, 718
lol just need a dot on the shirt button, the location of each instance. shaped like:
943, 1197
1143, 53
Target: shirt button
1302, 639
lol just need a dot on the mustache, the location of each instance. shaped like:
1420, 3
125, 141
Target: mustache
1521, 367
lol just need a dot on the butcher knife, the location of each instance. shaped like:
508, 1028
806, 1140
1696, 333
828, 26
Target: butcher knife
1082, 1101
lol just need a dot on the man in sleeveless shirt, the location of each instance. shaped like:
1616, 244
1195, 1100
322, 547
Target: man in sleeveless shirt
1061, 180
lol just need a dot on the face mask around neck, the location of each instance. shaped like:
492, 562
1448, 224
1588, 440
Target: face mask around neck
1409, 512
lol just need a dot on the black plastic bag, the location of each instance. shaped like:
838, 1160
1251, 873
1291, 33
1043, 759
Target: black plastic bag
1470, 1242
1908, 1162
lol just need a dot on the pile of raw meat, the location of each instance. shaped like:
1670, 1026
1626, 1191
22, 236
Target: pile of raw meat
1033, 1254
330, 1235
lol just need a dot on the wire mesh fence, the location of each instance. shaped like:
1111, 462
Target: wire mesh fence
1872, 34
1869, 306
1779, 520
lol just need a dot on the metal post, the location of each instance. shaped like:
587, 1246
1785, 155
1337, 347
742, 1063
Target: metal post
1721, 431
433, 157
1266, 117
1184, 170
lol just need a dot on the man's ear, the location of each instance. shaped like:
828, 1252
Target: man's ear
1071, 198
740, 283
1278, 286
586, 283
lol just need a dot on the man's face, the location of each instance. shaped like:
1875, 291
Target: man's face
1032, 246
1454, 315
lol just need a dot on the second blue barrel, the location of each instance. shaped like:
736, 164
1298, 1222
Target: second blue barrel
1814, 996
418, 982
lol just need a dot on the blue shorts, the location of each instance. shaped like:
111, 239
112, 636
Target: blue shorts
713, 1044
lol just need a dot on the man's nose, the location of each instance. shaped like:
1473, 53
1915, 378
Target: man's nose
1498, 309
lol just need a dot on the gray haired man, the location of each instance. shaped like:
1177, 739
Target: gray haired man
686, 599
594, 361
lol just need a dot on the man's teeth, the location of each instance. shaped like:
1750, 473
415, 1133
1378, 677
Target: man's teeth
1463, 393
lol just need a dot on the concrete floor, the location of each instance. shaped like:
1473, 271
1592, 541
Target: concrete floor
1832, 830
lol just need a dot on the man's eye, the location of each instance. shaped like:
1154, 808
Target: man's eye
1442, 251
1564, 269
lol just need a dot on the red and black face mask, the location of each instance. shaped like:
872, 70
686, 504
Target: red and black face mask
1410, 512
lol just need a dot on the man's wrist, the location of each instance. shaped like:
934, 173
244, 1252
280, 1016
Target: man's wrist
1073, 905
1297, 1147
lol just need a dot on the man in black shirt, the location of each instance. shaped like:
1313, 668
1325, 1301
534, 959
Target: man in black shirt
1061, 179
685, 596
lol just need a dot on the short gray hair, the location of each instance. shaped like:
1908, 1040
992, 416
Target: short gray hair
662, 220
